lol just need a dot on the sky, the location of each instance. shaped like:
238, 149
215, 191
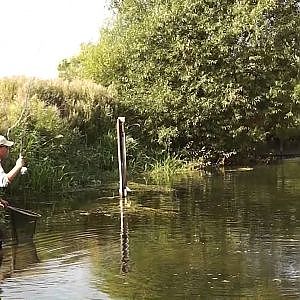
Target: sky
35, 35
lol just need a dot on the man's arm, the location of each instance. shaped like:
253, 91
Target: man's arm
3, 203
16, 169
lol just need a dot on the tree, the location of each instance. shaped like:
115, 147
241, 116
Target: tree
201, 75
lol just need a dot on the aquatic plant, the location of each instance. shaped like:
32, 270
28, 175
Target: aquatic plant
164, 169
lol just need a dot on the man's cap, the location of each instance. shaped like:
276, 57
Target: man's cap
5, 142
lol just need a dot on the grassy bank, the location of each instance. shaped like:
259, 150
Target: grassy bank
64, 129
67, 132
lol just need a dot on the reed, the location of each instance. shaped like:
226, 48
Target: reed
64, 129
164, 169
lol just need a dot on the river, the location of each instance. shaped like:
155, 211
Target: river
234, 234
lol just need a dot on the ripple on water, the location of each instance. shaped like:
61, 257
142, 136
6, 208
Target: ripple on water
234, 235
50, 281
58, 265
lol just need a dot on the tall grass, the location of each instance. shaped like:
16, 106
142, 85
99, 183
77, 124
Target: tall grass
64, 130
164, 169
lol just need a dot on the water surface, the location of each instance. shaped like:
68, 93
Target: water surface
230, 235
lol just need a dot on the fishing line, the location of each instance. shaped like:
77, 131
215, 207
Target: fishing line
24, 110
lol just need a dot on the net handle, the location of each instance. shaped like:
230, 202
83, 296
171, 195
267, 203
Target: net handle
24, 212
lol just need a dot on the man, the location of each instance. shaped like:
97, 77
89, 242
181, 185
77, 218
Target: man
7, 178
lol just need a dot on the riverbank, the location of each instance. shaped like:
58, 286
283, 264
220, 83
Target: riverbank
66, 130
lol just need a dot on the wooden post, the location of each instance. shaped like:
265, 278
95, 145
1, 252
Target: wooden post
122, 157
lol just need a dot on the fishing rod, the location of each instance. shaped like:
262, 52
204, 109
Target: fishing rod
23, 112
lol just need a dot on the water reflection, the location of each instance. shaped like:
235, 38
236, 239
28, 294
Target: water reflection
232, 235
124, 236
17, 257
24, 256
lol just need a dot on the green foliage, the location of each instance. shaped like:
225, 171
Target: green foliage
199, 76
64, 130
165, 169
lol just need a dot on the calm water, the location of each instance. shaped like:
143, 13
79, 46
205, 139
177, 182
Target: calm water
233, 235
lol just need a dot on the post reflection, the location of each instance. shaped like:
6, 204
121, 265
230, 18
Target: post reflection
124, 237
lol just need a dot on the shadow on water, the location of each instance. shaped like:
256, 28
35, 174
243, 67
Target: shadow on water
232, 235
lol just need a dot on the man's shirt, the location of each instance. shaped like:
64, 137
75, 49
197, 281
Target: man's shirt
3, 177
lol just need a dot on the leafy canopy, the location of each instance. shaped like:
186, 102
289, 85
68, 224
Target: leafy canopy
218, 76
